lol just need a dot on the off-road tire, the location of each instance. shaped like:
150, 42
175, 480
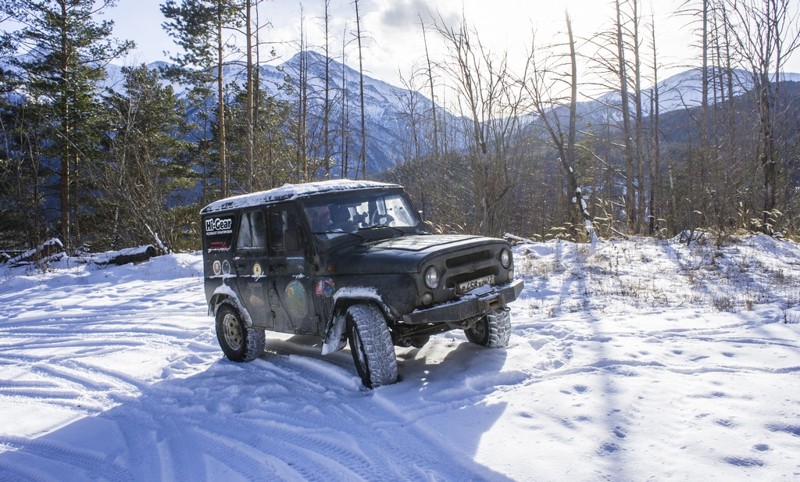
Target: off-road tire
371, 345
491, 331
239, 342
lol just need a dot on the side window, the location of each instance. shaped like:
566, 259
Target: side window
284, 231
252, 231
396, 208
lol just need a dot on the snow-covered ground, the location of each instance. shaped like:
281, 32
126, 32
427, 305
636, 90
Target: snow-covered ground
632, 360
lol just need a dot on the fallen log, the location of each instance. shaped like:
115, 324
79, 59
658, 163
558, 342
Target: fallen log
50, 250
126, 256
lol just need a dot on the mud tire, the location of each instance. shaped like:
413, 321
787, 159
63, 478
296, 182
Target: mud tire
491, 331
239, 342
371, 345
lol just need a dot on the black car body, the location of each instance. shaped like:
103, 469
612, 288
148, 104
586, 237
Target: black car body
348, 261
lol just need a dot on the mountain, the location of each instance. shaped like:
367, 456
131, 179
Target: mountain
681, 91
387, 122
678, 95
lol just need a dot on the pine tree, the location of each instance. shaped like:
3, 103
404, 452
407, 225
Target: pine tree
197, 27
65, 52
146, 168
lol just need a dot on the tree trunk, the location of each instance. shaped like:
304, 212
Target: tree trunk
223, 162
363, 155
433, 93
630, 205
326, 114
250, 141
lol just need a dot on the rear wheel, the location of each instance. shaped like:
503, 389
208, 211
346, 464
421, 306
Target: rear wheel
371, 345
491, 331
239, 342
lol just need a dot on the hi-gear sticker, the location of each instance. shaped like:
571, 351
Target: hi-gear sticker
218, 233
215, 226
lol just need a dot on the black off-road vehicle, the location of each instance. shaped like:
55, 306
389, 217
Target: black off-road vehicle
351, 262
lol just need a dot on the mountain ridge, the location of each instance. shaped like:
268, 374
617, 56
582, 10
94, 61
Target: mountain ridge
388, 123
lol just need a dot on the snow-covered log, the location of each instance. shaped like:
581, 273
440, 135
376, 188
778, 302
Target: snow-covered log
128, 255
50, 250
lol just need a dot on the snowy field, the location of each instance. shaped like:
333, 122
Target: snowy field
632, 360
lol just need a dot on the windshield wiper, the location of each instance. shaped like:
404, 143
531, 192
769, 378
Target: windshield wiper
379, 226
339, 231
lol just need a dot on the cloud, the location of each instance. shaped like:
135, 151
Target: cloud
401, 14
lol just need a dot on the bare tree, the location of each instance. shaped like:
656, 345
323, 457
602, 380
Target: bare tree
654, 195
250, 102
345, 120
326, 114
409, 98
301, 136
766, 33
490, 101
548, 88
429, 70
622, 73
363, 153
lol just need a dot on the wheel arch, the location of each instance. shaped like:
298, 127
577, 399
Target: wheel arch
225, 295
343, 299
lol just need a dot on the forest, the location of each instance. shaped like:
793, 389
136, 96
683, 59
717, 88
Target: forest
490, 147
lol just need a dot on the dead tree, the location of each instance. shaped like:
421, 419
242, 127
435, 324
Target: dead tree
548, 89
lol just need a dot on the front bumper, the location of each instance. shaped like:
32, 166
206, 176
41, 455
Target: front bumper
476, 303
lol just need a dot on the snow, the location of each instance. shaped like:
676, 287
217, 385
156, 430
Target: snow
291, 191
630, 360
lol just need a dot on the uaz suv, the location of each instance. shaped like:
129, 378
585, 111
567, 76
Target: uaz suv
348, 261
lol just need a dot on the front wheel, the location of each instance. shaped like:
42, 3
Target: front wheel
491, 331
371, 345
239, 342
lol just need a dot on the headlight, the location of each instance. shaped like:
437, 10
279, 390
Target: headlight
505, 258
431, 278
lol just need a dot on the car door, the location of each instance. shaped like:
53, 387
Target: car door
290, 294
251, 265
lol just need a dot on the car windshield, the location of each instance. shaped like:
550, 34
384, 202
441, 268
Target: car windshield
336, 216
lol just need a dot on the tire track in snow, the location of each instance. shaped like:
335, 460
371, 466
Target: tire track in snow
253, 422
91, 464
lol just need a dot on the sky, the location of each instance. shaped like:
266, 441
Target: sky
393, 44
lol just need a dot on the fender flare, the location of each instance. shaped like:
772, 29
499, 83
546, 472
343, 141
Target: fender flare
225, 295
343, 299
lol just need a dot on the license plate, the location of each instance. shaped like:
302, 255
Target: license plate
472, 284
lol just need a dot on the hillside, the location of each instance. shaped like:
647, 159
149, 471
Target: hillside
389, 125
630, 360
386, 106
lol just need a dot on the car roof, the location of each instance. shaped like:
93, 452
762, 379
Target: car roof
293, 191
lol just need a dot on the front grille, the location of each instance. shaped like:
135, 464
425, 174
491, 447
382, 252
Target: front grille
475, 257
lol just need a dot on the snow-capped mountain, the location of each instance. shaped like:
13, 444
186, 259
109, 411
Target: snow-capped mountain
387, 122
390, 126
678, 92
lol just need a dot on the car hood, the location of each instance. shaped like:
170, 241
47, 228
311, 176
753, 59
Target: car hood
405, 254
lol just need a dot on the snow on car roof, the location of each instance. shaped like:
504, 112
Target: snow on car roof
292, 191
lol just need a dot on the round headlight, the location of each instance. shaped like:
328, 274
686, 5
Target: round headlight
505, 258
431, 278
